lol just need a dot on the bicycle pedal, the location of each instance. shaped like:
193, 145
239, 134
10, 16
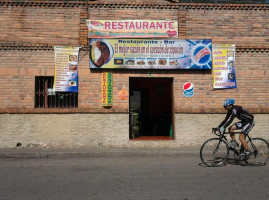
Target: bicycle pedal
242, 155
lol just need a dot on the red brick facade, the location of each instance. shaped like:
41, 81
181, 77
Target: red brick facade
29, 31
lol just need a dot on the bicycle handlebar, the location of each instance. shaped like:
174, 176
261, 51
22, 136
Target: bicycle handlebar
216, 131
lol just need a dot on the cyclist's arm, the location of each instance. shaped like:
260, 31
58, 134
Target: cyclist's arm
226, 119
229, 122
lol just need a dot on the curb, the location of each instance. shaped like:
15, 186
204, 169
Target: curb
95, 152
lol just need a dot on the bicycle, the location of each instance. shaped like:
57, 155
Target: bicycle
215, 151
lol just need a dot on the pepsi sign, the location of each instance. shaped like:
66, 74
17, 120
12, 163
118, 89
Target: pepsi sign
188, 89
201, 54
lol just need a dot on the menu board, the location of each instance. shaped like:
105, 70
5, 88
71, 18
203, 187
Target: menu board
150, 54
66, 69
224, 66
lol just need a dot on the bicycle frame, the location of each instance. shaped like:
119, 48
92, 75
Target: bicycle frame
231, 147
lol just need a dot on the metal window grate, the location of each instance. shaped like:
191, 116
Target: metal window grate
58, 100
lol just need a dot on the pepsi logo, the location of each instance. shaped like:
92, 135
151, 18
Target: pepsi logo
201, 55
188, 89
188, 86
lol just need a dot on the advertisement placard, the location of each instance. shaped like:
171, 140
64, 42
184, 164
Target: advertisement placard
107, 89
150, 54
132, 29
66, 69
224, 66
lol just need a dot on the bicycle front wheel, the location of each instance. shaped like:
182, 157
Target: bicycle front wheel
214, 152
260, 149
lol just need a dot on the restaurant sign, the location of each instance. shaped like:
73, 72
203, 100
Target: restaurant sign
132, 29
150, 54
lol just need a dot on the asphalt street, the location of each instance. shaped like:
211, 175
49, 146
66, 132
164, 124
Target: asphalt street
130, 177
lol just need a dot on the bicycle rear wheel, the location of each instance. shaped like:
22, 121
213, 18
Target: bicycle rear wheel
214, 152
261, 151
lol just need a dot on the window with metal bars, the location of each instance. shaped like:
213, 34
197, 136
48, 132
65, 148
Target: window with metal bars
44, 98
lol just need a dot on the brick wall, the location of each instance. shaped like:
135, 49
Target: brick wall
32, 26
240, 27
30, 30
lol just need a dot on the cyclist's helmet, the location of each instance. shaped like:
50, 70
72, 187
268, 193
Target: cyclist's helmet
228, 102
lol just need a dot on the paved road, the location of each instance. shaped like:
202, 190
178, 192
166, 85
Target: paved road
138, 177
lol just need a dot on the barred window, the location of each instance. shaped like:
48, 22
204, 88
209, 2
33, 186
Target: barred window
45, 98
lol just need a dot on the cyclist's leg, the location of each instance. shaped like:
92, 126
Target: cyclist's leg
242, 138
245, 130
231, 130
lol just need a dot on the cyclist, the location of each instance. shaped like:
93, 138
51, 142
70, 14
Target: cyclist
246, 123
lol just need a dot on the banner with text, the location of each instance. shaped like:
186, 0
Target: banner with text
132, 29
224, 66
107, 89
150, 54
66, 69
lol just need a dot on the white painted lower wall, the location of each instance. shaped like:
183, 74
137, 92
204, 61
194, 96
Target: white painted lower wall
108, 130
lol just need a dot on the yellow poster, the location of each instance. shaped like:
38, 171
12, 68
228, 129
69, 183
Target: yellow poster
224, 66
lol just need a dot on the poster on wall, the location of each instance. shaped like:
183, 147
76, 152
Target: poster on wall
132, 29
107, 89
224, 66
150, 54
66, 69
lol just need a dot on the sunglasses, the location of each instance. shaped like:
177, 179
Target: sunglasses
225, 106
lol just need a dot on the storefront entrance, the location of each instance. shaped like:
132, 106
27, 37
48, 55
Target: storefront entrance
150, 108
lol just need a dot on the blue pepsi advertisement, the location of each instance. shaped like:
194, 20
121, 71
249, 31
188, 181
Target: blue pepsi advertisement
150, 54
200, 53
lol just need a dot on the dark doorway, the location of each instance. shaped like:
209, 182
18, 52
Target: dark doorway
151, 108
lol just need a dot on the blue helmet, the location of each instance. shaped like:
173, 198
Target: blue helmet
228, 102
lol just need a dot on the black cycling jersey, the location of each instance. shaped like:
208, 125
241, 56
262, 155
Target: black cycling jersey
240, 113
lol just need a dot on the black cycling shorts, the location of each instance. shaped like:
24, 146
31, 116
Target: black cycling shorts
245, 126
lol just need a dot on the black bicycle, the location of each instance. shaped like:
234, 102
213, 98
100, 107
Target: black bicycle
215, 151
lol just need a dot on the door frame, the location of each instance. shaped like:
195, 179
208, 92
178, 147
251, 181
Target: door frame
172, 103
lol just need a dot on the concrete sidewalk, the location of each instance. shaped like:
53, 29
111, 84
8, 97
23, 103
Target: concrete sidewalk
94, 152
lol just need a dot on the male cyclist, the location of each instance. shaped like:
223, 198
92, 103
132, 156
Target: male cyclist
246, 123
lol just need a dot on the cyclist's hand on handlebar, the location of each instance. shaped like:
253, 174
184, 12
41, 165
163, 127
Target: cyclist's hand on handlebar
222, 129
